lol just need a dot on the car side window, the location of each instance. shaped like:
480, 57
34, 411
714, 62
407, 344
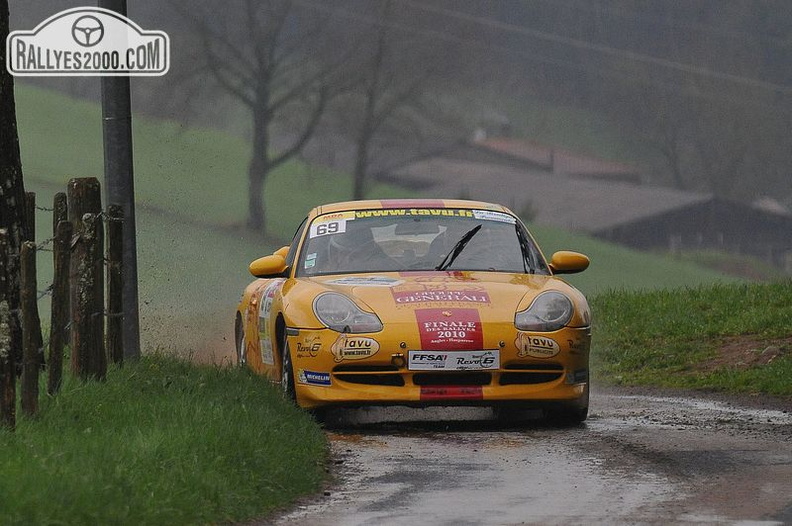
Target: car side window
295, 241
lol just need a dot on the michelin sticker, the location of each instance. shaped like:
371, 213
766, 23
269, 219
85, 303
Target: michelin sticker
536, 346
313, 378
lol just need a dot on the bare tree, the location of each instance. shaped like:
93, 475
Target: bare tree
265, 55
388, 89
12, 220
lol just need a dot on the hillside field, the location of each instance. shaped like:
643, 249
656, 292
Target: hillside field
190, 188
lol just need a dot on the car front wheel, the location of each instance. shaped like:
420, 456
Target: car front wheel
240, 343
287, 375
570, 414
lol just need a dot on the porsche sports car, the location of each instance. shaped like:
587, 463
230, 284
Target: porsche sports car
418, 302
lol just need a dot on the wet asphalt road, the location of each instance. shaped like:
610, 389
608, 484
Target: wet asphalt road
638, 460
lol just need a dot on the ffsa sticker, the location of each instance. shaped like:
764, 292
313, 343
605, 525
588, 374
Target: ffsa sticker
453, 360
265, 329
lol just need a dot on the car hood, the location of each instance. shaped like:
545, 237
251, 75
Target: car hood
496, 296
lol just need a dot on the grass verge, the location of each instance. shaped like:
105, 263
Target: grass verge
679, 338
161, 442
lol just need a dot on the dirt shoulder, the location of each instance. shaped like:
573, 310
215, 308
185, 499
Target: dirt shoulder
752, 401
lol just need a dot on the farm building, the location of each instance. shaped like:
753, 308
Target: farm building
600, 198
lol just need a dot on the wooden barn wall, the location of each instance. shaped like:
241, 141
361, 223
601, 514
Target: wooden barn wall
721, 225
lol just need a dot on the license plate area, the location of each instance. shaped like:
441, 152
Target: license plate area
482, 360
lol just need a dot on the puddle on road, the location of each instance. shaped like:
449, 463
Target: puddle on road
457, 467
421, 474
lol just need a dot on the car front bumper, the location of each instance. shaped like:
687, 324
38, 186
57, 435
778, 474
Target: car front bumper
379, 369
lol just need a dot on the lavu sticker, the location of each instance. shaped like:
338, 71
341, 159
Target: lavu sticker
535, 346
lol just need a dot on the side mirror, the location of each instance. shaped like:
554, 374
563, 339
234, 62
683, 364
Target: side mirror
282, 251
567, 262
273, 266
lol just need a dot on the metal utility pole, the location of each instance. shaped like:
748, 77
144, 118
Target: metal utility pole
119, 186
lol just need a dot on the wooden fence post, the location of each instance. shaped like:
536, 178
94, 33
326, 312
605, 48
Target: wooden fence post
60, 304
115, 283
60, 211
30, 216
88, 359
35, 323
84, 197
7, 365
30, 348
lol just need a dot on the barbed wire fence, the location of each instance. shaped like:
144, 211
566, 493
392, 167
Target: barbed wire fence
77, 291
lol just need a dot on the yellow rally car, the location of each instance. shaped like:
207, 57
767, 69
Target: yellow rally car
418, 302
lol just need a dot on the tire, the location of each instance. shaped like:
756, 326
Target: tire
514, 415
570, 414
567, 416
287, 375
239, 333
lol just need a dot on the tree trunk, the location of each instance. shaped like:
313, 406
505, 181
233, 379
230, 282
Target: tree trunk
361, 166
12, 189
257, 173
372, 97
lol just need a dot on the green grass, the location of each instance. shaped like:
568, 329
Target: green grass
198, 174
191, 195
164, 442
662, 337
161, 442
614, 267
733, 264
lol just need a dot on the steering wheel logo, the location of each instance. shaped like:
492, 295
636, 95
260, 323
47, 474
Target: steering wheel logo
88, 31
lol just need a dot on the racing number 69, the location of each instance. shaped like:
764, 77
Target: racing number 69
332, 227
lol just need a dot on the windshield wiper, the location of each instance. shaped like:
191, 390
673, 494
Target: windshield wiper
525, 248
460, 245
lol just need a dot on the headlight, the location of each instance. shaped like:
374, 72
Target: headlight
549, 312
341, 314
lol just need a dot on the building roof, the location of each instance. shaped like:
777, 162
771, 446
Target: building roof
560, 200
560, 160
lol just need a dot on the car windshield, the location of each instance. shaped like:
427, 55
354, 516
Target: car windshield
417, 239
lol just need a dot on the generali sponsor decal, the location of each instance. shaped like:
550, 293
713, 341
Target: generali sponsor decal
430, 294
449, 329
